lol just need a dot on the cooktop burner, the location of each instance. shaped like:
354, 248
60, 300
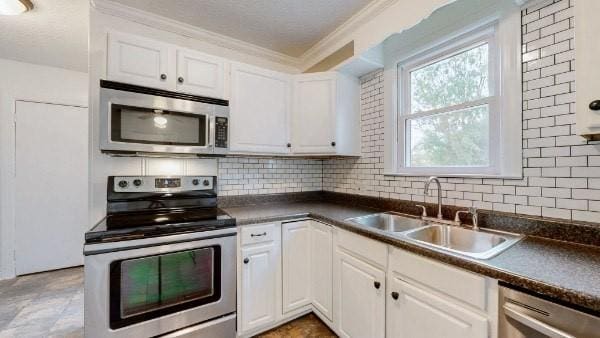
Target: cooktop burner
144, 207
128, 226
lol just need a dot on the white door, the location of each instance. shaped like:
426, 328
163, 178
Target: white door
313, 123
51, 201
361, 298
259, 273
200, 74
136, 60
417, 313
296, 265
321, 253
259, 110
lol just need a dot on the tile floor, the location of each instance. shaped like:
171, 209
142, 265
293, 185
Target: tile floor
303, 327
48, 304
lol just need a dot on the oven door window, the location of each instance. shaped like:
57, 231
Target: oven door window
150, 287
153, 126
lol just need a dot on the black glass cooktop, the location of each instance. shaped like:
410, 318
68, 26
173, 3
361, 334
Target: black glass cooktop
137, 225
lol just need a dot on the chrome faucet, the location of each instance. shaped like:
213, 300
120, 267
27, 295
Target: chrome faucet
439, 187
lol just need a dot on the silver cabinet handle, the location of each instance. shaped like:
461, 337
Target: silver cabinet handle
258, 235
512, 311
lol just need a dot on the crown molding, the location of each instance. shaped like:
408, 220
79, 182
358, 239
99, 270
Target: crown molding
180, 28
338, 37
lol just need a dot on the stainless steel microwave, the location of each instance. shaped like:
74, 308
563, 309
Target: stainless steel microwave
135, 119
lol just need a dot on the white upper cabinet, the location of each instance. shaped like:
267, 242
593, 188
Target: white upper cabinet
146, 62
326, 116
259, 110
295, 245
270, 112
587, 75
200, 74
141, 61
314, 114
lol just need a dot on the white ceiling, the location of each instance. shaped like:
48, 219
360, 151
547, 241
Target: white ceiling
287, 26
55, 33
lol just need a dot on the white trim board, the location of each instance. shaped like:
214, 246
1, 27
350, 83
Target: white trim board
368, 28
180, 28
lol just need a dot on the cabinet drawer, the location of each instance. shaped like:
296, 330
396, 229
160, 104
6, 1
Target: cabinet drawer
374, 251
260, 233
460, 284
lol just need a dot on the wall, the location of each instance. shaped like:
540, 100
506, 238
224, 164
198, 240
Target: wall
561, 170
27, 82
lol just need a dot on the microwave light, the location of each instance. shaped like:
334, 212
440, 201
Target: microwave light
160, 122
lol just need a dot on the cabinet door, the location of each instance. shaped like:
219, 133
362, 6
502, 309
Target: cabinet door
259, 275
136, 60
361, 300
321, 253
313, 123
259, 110
417, 313
296, 265
200, 74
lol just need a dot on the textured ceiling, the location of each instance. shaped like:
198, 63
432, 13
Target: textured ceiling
55, 33
286, 26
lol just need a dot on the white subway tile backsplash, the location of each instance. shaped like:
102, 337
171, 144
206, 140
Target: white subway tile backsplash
561, 170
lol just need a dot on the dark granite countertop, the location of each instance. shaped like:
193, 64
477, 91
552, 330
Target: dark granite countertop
564, 271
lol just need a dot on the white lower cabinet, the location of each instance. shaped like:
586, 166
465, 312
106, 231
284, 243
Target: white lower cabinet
259, 281
360, 287
296, 244
321, 253
360, 310
258, 286
413, 312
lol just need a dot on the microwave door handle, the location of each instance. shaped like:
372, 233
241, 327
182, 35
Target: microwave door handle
211, 131
512, 311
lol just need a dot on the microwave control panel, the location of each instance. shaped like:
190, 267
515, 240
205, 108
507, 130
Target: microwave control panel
221, 126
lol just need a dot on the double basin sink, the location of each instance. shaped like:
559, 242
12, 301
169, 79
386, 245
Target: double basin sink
480, 244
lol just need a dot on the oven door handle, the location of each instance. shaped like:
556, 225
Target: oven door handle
512, 311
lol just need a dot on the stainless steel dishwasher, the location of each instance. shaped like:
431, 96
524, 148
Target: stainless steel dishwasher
526, 316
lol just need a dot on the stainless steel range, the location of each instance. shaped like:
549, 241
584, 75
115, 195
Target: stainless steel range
162, 262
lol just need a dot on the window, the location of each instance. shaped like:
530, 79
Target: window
448, 109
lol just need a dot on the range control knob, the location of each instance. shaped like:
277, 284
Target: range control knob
123, 184
195, 181
137, 183
206, 183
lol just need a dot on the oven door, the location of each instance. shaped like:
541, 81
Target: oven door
134, 122
147, 291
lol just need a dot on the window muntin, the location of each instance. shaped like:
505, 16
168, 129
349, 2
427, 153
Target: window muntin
457, 138
447, 109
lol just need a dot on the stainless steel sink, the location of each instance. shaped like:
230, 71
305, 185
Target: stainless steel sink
389, 221
482, 244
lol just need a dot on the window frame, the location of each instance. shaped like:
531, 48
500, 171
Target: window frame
436, 53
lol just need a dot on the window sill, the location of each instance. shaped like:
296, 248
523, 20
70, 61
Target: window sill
416, 174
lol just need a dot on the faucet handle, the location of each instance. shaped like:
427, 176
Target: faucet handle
457, 215
473, 212
424, 212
